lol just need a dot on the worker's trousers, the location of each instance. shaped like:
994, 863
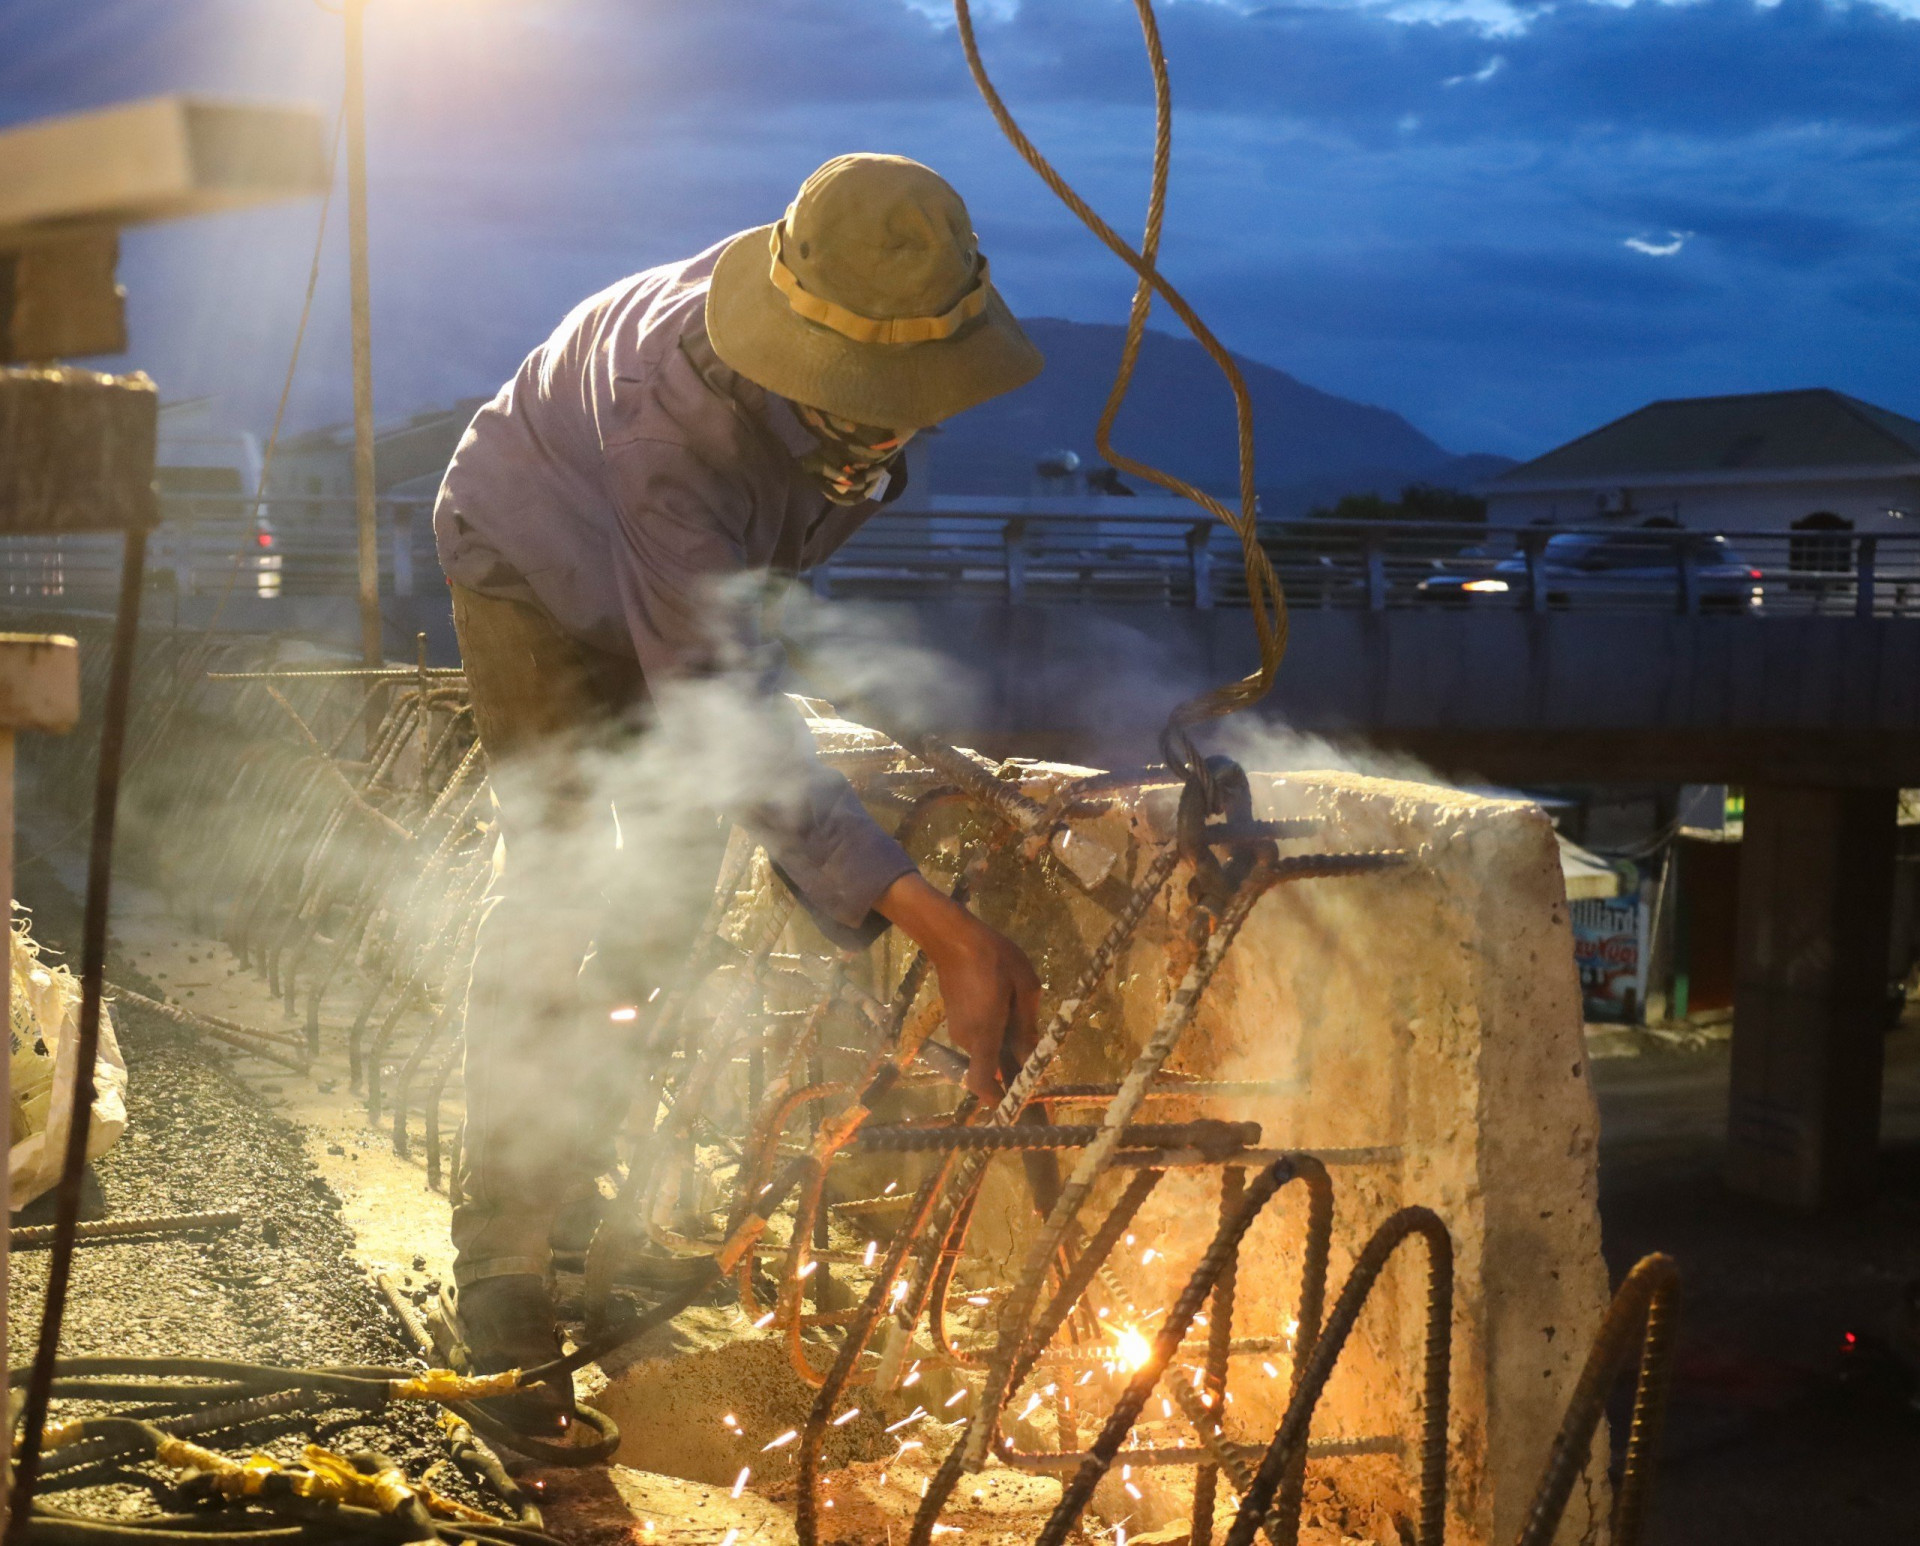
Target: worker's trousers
581, 924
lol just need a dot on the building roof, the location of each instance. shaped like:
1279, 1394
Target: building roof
1755, 432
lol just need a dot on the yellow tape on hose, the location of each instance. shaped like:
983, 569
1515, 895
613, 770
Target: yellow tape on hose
446, 1385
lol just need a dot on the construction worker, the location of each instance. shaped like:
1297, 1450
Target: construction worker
735, 414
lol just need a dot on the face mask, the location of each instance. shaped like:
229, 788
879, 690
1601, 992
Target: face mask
851, 459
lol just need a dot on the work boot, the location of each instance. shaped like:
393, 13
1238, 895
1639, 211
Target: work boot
507, 1323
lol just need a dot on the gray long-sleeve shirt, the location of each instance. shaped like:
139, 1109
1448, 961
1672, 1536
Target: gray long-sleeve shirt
617, 481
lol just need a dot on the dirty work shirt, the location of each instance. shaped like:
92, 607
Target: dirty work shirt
614, 481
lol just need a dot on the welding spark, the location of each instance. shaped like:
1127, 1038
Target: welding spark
1084, 1378
1272, 1373
979, 1299
763, 1321
899, 1290
946, 1529
740, 1481
730, 1420
905, 1445
729, 1538
786, 1438
1133, 1491
807, 1271
1148, 1256
1166, 1407
624, 1012
956, 1398
653, 995
1126, 1473
914, 1416
846, 1417
1032, 1402
873, 1247
1134, 1349
892, 1187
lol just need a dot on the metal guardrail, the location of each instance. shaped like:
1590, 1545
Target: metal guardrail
1145, 553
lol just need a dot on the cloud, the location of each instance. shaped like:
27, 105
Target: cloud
1485, 73
1454, 251
1666, 249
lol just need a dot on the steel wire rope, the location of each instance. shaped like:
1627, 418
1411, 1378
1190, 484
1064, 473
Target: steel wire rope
1265, 598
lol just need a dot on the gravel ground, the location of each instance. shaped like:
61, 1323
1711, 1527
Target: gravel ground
282, 1287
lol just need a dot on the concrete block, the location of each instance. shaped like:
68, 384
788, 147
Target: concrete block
58, 298
156, 160
1432, 1011
76, 450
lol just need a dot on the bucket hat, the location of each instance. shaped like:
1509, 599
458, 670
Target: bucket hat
870, 299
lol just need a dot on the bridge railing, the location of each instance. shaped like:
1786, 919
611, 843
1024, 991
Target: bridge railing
1153, 552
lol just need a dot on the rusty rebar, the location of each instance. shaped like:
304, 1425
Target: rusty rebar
1316, 1368
26, 1235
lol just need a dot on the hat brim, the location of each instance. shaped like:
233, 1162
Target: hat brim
894, 386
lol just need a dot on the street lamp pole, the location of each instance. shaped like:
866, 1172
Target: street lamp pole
354, 15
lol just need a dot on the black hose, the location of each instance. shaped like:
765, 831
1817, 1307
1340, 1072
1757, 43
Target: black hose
1646, 1305
1317, 1368
93, 963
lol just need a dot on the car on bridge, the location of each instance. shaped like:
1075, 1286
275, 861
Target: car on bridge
1644, 567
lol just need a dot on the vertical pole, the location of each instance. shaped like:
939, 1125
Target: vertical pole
424, 717
6, 1019
353, 14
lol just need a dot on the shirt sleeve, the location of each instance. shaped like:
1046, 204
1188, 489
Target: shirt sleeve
690, 601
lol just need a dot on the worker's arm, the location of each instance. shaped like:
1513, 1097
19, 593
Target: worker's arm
990, 989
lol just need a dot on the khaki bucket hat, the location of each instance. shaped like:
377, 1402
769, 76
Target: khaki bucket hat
869, 300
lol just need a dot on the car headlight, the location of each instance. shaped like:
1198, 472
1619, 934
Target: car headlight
1486, 587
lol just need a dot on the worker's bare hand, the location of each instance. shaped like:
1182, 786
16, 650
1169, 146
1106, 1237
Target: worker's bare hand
990, 988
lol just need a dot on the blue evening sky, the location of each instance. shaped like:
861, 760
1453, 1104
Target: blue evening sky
1509, 221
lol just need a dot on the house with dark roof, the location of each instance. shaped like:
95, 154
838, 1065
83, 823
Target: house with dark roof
1814, 460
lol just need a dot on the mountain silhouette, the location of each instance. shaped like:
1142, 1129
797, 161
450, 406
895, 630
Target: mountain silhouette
1310, 446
